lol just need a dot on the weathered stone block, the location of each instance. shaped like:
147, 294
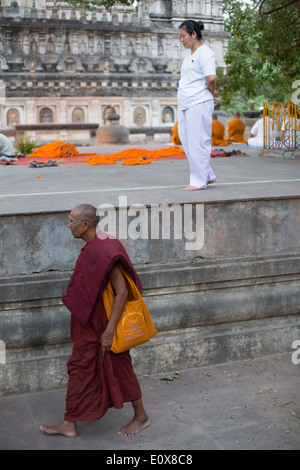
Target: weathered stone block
236, 297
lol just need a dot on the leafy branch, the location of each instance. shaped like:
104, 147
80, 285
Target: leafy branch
262, 56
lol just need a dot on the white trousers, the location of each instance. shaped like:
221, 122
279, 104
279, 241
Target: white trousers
194, 129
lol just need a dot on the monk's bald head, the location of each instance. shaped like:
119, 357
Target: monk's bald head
86, 212
236, 114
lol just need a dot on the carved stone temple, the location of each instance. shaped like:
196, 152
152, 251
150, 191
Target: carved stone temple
58, 65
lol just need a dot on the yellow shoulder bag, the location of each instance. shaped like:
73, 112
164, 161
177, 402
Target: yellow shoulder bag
135, 326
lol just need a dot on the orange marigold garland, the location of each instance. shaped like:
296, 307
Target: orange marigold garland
132, 156
135, 156
55, 150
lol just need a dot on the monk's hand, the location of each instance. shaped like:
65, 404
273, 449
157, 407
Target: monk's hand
106, 341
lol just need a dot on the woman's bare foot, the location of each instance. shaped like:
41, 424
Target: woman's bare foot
192, 188
212, 181
135, 426
66, 428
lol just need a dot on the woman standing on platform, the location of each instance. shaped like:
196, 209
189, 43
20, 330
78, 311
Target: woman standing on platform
196, 95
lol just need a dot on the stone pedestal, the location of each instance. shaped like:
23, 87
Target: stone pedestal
281, 153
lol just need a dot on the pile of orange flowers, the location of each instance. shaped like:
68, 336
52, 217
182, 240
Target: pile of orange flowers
55, 150
135, 156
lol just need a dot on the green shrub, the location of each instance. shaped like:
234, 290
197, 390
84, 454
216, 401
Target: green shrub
24, 144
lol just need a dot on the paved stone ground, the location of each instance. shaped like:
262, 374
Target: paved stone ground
251, 404
63, 187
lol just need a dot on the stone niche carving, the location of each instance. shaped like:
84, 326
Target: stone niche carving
168, 115
78, 115
141, 65
46, 115
173, 66
32, 65
139, 116
69, 64
3, 63
106, 65
13, 117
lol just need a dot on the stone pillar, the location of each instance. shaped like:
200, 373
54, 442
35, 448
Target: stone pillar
107, 44
8, 42
75, 46
62, 111
31, 118
91, 43
155, 113
126, 113
94, 111
30, 110
42, 42
62, 118
123, 47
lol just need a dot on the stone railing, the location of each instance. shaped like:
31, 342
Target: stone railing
8, 132
150, 132
21, 129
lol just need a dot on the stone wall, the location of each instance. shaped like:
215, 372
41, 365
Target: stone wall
236, 297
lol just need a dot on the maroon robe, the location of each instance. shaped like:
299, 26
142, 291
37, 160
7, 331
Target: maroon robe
96, 383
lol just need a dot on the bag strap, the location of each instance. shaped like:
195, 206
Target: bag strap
132, 288
108, 295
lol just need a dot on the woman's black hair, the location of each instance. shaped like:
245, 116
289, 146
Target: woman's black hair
190, 26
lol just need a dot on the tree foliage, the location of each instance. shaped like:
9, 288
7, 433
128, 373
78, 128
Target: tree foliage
263, 51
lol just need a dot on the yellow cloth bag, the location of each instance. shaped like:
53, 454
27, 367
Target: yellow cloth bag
135, 326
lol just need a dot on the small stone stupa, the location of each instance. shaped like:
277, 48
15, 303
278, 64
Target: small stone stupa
112, 132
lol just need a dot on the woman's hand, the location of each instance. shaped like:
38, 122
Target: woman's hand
215, 96
211, 81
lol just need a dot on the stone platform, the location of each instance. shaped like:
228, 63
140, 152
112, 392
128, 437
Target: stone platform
232, 293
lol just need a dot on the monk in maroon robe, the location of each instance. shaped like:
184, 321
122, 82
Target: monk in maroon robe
98, 378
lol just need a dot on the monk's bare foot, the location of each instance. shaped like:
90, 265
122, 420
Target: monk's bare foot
135, 426
66, 428
192, 188
212, 181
